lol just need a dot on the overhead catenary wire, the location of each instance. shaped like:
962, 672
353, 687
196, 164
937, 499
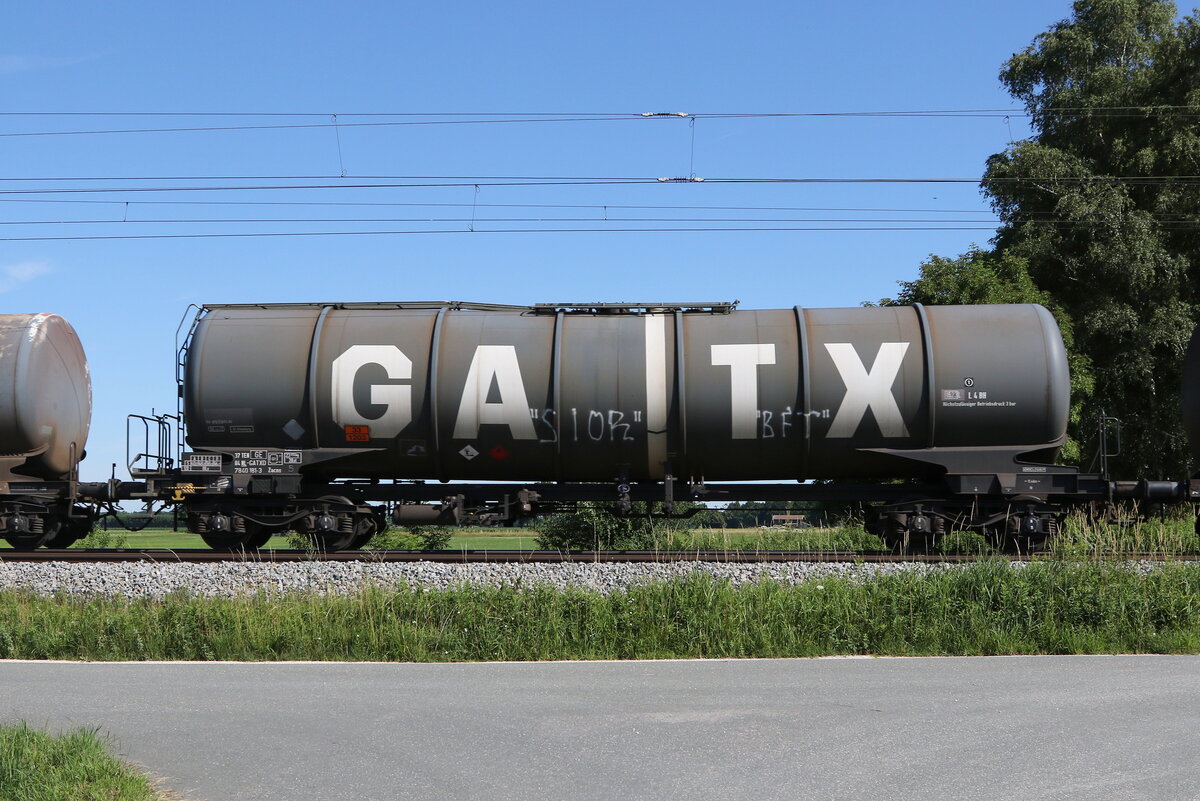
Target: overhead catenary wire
27, 189
407, 182
554, 179
468, 232
480, 205
261, 187
282, 220
597, 206
21, 190
315, 177
562, 113
538, 117
125, 220
465, 232
321, 114
303, 125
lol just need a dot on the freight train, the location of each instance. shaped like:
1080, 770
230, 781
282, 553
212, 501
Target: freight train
334, 419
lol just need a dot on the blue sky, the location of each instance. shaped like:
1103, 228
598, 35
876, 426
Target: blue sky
126, 296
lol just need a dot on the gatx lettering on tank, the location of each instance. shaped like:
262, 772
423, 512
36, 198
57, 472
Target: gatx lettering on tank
498, 365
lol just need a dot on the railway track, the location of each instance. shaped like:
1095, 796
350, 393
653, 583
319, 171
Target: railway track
204, 555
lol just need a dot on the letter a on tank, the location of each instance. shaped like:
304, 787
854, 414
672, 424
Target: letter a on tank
498, 363
868, 389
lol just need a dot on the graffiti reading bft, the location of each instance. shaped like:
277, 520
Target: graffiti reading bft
494, 394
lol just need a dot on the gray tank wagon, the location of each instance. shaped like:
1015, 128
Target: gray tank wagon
45, 412
453, 393
310, 412
327, 418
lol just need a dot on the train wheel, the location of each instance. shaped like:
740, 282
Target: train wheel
332, 529
231, 541
1030, 545
331, 541
1028, 534
250, 537
72, 531
1024, 545
27, 542
899, 536
913, 543
365, 527
224, 540
994, 534
257, 535
31, 541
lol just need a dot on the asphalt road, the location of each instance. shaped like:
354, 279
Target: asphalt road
1110, 727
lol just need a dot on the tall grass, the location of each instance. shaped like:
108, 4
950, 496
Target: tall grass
75, 766
841, 538
1083, 537
1050, 607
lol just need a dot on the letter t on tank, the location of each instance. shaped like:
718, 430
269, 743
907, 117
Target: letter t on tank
743, 361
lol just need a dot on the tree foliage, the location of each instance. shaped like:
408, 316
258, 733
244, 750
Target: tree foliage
1098, 209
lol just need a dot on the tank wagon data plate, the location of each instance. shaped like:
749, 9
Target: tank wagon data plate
200, 463
247, 463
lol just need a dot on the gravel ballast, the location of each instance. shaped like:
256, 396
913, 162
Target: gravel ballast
225, 579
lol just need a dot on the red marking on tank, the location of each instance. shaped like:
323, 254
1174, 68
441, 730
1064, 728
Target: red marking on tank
498, 452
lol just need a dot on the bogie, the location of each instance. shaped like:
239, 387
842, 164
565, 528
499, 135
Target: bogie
920, 528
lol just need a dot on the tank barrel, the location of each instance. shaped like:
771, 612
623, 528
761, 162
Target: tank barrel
45, 397
627, 392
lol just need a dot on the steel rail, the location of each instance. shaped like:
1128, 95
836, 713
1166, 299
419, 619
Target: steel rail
204, 555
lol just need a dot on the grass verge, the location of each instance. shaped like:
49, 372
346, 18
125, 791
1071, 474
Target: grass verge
841, 538
993, 607
1081, 538
74, 766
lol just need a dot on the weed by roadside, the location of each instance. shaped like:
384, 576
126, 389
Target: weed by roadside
73, 766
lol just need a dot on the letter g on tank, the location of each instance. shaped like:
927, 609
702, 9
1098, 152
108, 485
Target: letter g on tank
396, 397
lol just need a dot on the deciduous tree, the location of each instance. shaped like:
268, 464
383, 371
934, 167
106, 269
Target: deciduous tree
1102, 209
